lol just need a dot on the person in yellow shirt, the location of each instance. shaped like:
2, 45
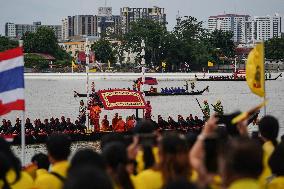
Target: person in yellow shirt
115, 156
173, 164
276, 164
42, 163
58, 147
268, 128
11, 175
241, 165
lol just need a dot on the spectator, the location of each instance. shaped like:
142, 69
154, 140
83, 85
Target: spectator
58, 148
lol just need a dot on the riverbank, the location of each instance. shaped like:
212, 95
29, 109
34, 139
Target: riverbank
124, 76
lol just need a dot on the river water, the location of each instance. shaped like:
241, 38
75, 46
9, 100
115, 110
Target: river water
47, 98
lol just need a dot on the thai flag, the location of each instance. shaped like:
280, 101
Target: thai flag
12, 80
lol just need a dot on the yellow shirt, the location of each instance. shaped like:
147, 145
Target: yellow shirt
139, 158
25, 181
276, 183
245, 184
40, 172
49, 181
268, 149
148, 179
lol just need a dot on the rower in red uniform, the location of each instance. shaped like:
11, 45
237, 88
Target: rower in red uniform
148, 112
105, 124
120, 125
95, 116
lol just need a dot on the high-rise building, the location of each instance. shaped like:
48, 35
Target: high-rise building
238, 24
79, 25
266, 27
129, 15
18, 30
245, 28
10, 30
107, 22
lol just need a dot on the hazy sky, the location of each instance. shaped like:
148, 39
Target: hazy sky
52, 11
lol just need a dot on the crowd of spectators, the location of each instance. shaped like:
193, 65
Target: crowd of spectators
217, 157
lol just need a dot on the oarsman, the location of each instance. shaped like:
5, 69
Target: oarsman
114, 121
105, 124
206, 110
192, 85
186, 86
120, 125
148, 110
82, 113
95, 116
218, 108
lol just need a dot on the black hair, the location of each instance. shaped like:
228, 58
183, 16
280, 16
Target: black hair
41, 160
88, 156
144, 126
5, 166
180, 184
148, 156
269, 128
244, 158
276, 162
174, 163
112, 137
15, 163
115, 155
87, 176
58, 146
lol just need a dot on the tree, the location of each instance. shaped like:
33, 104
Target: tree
274, 49
6, 43
44, 41
104, 51
190, 44
153, 33
221, 45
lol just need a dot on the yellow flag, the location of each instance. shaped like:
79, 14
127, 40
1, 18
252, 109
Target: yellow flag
164, 64
74, 65
210, 64
93, 70
255, 70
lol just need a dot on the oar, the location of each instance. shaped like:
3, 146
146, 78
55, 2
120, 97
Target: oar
200, 106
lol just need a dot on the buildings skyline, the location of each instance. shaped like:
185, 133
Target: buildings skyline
245, 28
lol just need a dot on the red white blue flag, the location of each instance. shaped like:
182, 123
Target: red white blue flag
12, 80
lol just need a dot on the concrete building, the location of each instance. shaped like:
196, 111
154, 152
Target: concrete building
18, 30
129, 15
266, 27
10, 30
108, 23
79, 25
238, 24
247, 29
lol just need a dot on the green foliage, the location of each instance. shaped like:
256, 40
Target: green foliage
274, 49
222, 45
44, 41
103, 51
6, 43
188, 43
153, 33
35, 61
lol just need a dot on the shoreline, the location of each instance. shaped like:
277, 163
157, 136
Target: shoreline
124, 76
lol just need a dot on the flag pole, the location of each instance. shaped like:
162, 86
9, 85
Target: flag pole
87, 52
23, 140
264, 98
